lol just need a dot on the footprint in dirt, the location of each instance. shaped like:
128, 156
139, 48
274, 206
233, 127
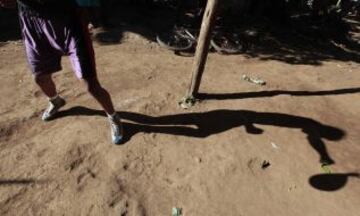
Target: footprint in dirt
7, 131
127, 207
74, 158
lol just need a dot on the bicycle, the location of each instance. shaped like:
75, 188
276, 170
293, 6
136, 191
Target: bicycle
223, 41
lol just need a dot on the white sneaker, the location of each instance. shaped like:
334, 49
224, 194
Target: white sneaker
53, 108
117, 133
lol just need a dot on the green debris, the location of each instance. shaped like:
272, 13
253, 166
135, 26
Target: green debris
176, 211
326, 168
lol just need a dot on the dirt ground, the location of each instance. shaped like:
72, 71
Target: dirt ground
207, 160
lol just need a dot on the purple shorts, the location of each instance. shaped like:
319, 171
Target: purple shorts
47, 40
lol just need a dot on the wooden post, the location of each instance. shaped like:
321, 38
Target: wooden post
203, 46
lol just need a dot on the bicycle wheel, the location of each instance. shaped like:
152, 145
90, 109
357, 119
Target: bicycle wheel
227, 43
174, 41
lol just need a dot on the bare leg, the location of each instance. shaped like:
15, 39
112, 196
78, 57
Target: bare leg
46, 85
103, 97
100, 94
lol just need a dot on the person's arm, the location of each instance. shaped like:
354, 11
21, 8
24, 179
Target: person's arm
8, 3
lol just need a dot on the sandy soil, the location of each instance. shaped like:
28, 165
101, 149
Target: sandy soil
206, 160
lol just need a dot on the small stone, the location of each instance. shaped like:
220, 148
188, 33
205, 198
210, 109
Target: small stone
153, 135
198, 159
292, 188
265, 164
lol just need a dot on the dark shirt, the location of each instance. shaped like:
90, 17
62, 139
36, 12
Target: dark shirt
48, 8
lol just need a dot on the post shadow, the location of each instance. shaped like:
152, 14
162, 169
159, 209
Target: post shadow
11, 182
273, 93
202, 125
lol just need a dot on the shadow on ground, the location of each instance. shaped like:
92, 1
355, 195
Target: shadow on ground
18, 182
9, 25
331, 182
202, 125
300, 40
244, 95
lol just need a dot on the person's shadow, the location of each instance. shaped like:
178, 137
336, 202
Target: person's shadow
204, 124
